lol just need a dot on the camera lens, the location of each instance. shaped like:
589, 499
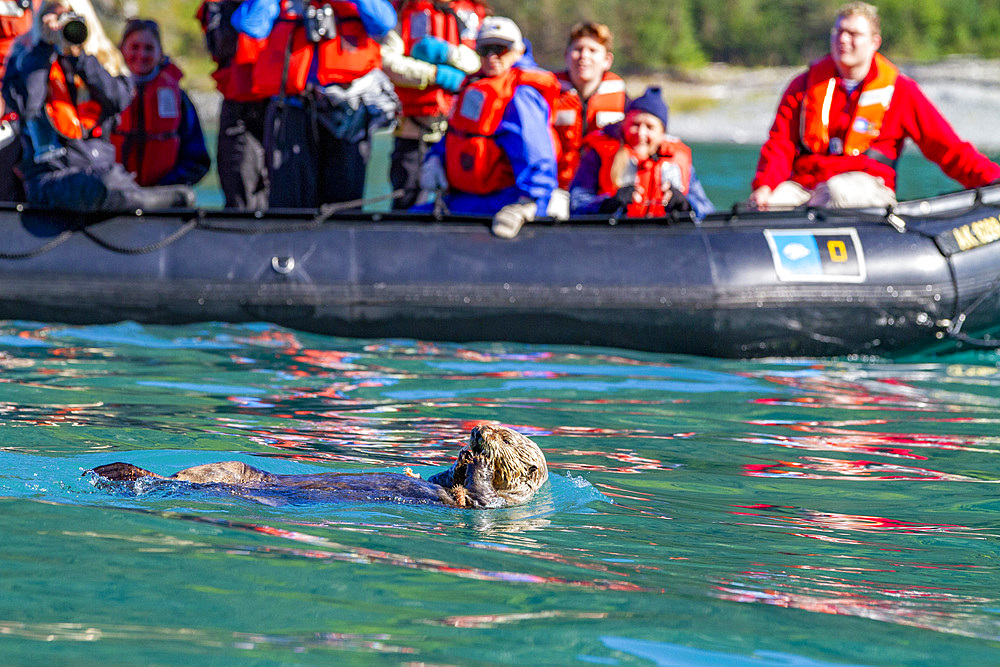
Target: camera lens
75, 31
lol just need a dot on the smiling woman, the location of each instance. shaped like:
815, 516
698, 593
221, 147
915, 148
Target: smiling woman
159, 138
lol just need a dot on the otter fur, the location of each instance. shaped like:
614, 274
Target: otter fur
498, 467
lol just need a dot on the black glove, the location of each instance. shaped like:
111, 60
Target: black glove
678, 202
619, 202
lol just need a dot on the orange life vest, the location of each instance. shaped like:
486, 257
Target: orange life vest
147, 140
873, 102
15, 20
605, 106
474, 162
287, 53
671, 162
450, 21
71, 120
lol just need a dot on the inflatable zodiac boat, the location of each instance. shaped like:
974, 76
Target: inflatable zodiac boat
740, 284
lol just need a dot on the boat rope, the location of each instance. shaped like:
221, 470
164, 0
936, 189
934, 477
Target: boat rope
325, 212
954, 328
152, 247
63, 236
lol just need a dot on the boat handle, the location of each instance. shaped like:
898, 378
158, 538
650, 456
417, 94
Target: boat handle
283, 265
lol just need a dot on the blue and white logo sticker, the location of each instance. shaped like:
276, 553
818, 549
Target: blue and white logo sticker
809, 255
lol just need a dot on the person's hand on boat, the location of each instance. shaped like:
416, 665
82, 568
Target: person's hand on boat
509, 220
759, 198
432, 175
676, 201
619, 201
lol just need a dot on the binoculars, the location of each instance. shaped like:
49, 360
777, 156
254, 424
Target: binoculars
320, 23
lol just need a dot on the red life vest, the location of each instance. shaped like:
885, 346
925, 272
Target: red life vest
72, 120
451, 21
474, 162
671, 162
147, 140
235, 81
15, 20
873, 102
234, 78
287, 53
605, 106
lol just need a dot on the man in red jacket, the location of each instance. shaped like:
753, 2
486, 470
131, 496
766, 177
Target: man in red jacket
841, 126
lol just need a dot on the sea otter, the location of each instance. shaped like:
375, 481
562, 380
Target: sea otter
498, 468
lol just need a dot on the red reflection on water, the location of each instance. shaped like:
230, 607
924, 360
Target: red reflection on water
926, 607
324, 549
822, 468
838, 521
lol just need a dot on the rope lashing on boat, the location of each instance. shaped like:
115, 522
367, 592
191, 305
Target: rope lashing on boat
954, 327
152, 247
63, 236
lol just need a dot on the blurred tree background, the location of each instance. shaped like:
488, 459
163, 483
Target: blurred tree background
652, 36
678, 34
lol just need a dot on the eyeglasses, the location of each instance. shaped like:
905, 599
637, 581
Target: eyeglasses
837, 32
488, 50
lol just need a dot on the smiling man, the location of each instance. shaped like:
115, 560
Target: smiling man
498, 155
591, 95
841, 127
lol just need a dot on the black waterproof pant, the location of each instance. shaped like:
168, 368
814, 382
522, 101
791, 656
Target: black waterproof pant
306, 164
240, 155
404, 170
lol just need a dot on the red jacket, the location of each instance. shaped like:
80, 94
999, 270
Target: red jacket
910, 115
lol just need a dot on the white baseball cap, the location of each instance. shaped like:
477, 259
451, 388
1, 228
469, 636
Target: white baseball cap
499, 30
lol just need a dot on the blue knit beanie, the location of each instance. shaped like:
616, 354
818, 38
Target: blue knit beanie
652, 102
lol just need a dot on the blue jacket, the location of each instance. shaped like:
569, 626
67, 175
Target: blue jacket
257, 17
583, 197
525, 137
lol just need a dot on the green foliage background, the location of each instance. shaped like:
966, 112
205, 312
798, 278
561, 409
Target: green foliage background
654, 36
687, 33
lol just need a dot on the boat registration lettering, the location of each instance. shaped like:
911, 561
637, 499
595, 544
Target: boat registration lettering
978, 233
829, 255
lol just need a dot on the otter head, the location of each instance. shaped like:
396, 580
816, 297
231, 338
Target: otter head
499, 467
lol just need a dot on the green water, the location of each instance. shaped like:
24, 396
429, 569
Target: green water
699, 511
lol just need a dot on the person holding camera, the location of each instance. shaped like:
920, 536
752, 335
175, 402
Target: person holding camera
67, 85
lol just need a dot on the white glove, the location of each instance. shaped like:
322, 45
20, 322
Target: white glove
509, 220
558, 205
432, 175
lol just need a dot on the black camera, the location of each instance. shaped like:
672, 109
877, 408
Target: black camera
320, 23
73, 28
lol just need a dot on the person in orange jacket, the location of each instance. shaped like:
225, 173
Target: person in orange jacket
591, 96
159, 137
634, 168
239, 155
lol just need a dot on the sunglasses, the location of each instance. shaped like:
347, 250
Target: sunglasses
491, 50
